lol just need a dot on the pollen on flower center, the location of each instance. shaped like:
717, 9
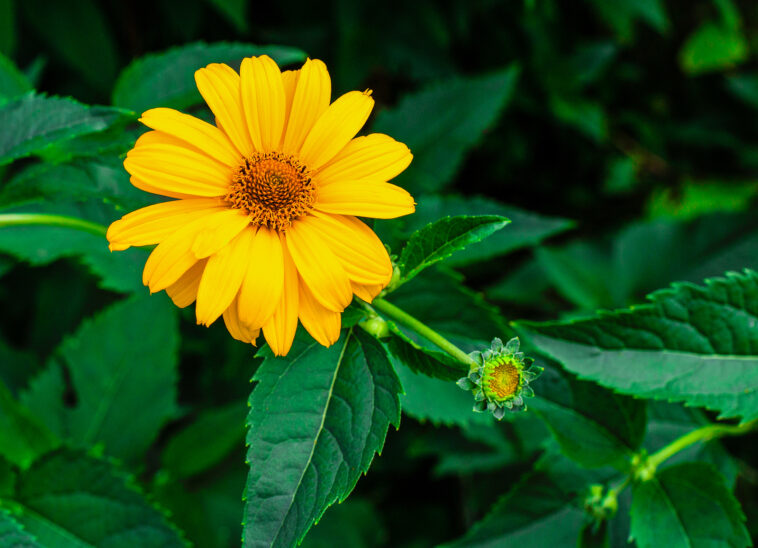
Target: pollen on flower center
502, 380
274, 188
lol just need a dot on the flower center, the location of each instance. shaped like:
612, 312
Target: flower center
502, 380
274, 188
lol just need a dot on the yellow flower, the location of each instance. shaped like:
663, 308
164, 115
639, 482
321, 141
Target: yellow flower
263, 227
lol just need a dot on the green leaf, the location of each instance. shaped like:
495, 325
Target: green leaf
317, 417
354, 523
22, 437
435, 400
234, 11
588, 117
621, 15
166, 79
423, 359
40, 121
12, 533
690, 343
713, 47
52, 498
687, 505
697, 198
526, 228
124, 391
12, 82
438, 240
442, 123
59, 24
541, 510
593, 427
744, 86
206, 441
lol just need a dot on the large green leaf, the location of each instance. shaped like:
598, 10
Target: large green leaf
687, 505
440, 239
692, 344
317, 417
441, 123
68, 499
12, 81
13, 534
122, 366
593, 426
525, 229
22, 437
92, 52
39, 122
166, 79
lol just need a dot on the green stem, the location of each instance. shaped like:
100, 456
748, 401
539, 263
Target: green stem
704, 433
24, 219
405, 319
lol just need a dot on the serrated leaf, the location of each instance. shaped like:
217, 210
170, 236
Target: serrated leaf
593, 427
541, 510
22, 437
713, 47
440, 239
166, 79
52, 498
12, 82
12, 533
59, 24
206, 441
525, 229
39, 122
423, 359
124, 391
687, 505
317, 417
441, 123
690, 343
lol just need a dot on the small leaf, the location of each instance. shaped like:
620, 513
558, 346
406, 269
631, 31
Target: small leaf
437, 241
51, 499
713, 47
621, 15
693, 344
687, 505
166, 79
441, 123
40, 121
12, 82
124, 391
316, 419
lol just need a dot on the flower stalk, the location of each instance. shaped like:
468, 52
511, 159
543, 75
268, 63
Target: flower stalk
45, 219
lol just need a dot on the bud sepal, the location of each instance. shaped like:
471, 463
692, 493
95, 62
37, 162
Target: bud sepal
500, 377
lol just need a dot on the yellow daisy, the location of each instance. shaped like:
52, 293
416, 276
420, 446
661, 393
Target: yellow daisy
263, 227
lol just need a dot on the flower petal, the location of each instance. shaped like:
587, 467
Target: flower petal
201, 135
184, 290
309, 102
178, 169
366, 292
365, 199
154, 223
319, 268
219, 84
222, 278
229, 223
377, 157
263, 100
173, 256
263, 283
147, 187
359, 250
323, 324
281, 327
236, 328
335, 128
289, 82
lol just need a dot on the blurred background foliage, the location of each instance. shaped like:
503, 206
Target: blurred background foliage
618, 136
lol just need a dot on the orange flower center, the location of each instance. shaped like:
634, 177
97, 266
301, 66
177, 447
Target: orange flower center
275, 189
502, 381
